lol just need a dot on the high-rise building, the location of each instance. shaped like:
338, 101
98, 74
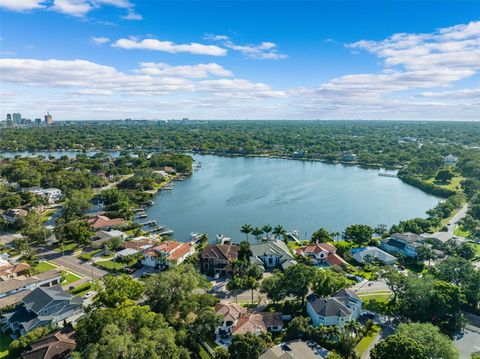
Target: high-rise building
17, 118
38, 121
9, 120
48, 119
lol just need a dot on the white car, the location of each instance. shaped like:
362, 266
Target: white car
89, 294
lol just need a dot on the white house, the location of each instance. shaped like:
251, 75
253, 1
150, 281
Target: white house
366, 254
271, 254
51, 194
339, 309
450, 159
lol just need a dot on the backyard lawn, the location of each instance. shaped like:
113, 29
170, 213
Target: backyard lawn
366, 340
86, 256
5, 341
44, 267
111, 265
67, 246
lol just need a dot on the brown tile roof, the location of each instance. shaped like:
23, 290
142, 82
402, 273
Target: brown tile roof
104, 221
139, 243
255, 322
58, 345
316, 248
335, 260
230, 311
221, 251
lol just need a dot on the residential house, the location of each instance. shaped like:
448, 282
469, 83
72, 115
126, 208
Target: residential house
340, 308
217, 258
450, 159
321, 254
20, 283
14, 215
41, 307
370, 253
349, 157
57, 345
230, 313
101, 237
52, 195
167, 253
403, 243
271, 254
103, 222
9, 240
9, 270
141, 243
296, 349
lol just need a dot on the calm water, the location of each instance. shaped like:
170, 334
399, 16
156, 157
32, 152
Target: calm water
226, 193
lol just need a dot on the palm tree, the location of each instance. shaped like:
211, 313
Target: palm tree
335, 235
279, 231
247, 229
257, 232
426, 253
267, 229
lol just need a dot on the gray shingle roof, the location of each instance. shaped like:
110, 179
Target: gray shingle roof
329, 307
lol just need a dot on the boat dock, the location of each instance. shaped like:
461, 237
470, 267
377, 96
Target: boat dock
383, 174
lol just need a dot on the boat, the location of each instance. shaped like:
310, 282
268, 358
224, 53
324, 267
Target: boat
149, 223
167, 232
221, 239
141, 215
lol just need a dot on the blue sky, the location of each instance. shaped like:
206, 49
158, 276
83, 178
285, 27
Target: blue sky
109, 59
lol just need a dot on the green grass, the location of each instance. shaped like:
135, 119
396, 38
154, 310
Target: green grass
67, 246
202, 352
44, 267
376, 302
460, 232
89, 255
111, 265
292, 245
363, 344
68, 277
5, 341
453, 185
211, 343
476, 247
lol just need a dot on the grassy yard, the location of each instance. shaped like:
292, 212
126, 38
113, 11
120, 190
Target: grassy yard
459, 232
475, 246
86, 256
454, 184
111, 265
82, 289
69, 277
376, 301
5, 341
44, 267
67, 246
363, 344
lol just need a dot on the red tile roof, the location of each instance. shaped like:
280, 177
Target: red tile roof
255, 322
139, 243
227, 252
230, 311
174, 249
104, 221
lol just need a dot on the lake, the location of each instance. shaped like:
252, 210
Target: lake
226, 193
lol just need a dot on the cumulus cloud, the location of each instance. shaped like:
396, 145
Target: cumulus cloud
22, 5
77, 8
169, 46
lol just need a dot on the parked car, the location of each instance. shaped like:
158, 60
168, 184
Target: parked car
89, 294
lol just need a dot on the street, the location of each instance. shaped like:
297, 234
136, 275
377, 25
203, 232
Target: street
75, 265
445, 236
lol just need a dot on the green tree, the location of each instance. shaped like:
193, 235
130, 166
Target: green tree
267, 229
298, 328
257, 233
321, 235
279, 231
79, 232
326, 282
76, 204
17, 347
359, 233
33, 228
297, 280
274, 287
246, 346
118, 289
394, 280
399, 346
244, 251
444, 176
436, 344
246, 229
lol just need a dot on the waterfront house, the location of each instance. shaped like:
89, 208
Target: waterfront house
103, 222
272, 254
57, 345
217, 258
370, 253
340, 308
403, 243
321, 254
166, 254
141, 243
42, 307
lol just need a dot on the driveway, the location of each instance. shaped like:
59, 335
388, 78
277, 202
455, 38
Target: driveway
445, 236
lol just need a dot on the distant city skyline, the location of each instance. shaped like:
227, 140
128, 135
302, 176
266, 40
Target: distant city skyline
116, 59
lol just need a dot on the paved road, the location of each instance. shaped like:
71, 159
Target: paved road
74, 264
445, 236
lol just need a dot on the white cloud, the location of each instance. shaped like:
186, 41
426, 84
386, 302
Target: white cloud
131, 15
22, 5
77, 8
190, 71
99, 40
168, 46
264, 50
